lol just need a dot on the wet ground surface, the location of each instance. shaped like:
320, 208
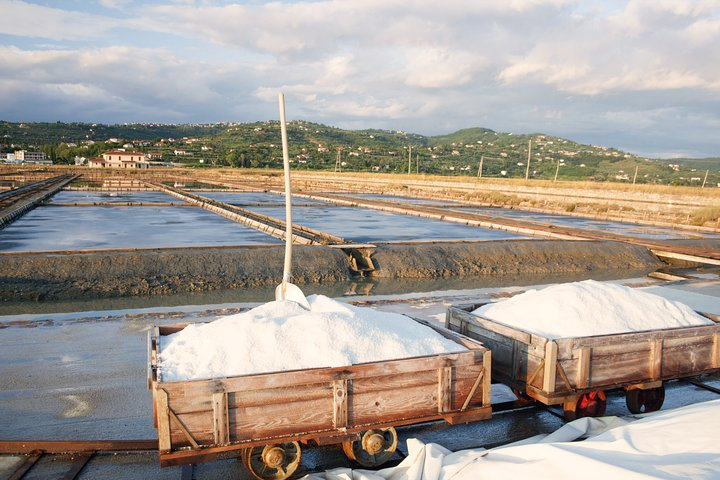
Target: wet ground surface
82, 376
91, 228
73, 196
620, 228
249, 198
363, 225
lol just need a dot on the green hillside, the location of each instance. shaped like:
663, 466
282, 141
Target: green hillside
314, 146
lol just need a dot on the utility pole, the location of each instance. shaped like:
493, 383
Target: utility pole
409, 158
338, 167
417, 163
705, 179
482, 157
557, 169
527, 170
635, 176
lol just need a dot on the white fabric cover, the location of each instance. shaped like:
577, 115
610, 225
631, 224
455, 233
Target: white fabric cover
673, 444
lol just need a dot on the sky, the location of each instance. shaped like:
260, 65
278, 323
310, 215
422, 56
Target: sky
639, 75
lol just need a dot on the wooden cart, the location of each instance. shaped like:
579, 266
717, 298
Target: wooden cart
575, 372
264, 418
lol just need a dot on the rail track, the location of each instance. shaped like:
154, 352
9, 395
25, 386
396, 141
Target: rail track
68, 459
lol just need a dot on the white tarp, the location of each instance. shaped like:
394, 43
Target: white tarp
678, 444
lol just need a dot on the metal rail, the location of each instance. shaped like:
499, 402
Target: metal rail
82, 452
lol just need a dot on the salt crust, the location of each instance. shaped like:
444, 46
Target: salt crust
282, 335
587, 308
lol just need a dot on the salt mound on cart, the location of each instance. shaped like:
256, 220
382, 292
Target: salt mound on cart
282, 335
587, 308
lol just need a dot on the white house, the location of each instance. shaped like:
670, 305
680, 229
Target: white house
120, 159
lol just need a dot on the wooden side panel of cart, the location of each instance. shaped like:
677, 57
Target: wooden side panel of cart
200, 418
553, 371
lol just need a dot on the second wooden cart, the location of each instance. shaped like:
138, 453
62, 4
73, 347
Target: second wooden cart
576, 372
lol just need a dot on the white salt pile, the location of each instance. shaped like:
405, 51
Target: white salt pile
587, 308
282, 335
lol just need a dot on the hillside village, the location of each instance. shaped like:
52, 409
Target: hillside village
469, 152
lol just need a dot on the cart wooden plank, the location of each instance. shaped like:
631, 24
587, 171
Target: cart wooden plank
557, 370
207, 417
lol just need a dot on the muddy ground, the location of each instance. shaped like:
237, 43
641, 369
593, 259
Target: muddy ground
106, 274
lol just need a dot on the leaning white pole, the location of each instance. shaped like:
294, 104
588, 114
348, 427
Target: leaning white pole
288, 198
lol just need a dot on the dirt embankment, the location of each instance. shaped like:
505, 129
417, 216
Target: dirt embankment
107, 274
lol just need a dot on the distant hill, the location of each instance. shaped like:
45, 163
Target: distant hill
710, 163
468, 152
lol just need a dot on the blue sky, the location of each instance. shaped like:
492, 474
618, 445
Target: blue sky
640, 75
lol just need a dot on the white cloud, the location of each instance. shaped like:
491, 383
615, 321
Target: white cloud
31, 20
591, 68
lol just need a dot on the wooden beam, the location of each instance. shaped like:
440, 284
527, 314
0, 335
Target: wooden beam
685, 256
26, 465
551, 350
53, 446
444, 389
221, 427
78, 464
340, 403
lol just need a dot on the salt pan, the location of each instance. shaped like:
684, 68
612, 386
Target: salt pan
587, 308
282, 335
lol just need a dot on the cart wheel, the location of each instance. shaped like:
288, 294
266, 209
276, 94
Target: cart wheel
591, 404
272, 462
643, 401
522, 396
374, 448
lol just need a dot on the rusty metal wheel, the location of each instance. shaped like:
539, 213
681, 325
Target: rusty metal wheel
272, 462
374, 448
590, 404
643, 401
522, 396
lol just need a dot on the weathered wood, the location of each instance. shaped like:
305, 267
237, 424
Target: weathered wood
221, 430
583, 378
486, 385
292, 378
322, 404
656, 359
78, 464
444, 389
50, 446
593, 363
25, 466
163, 420
340, 403
182, 428
550, 371
472, 391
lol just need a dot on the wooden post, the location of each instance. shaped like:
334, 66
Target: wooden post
486, 384
550, 373
221, 427
444, 389
582, 379
527, 170
557, 169
340, 404
409, 158
705, 179
656, 354
482, 157
164, 444
635, 176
